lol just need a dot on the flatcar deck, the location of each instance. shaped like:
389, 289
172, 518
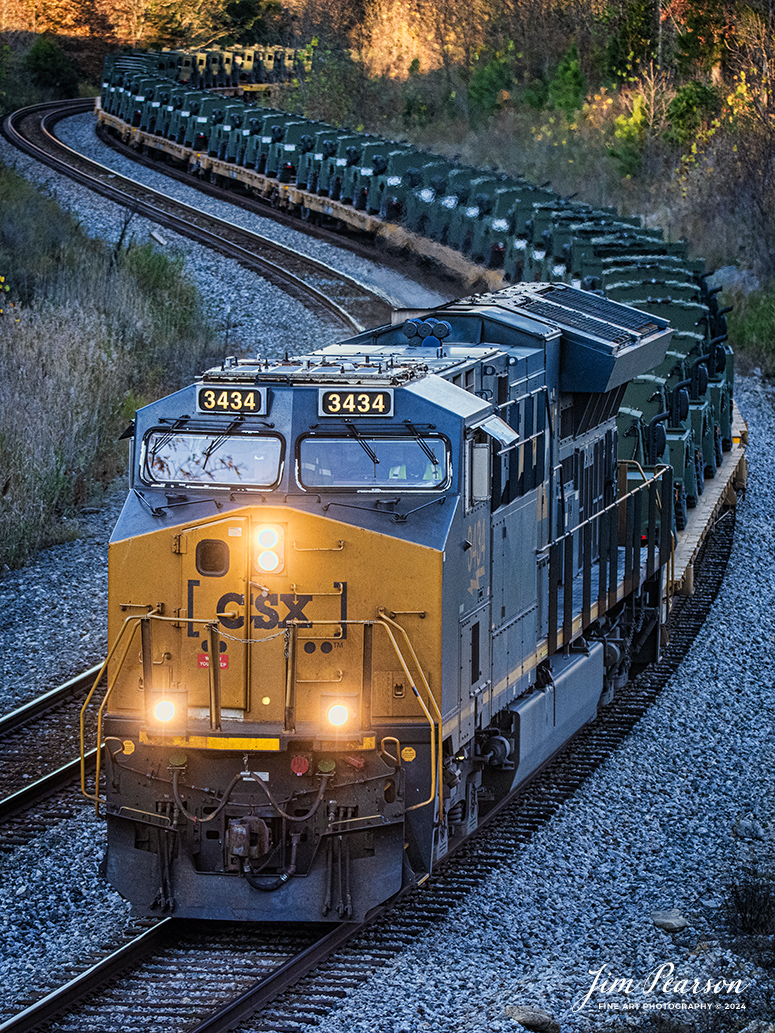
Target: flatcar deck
720, 494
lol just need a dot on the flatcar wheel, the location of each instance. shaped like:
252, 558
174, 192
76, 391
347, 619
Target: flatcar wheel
680, 507
698, 466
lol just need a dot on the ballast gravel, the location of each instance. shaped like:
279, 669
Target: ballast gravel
400, 291
252, 314
685, 807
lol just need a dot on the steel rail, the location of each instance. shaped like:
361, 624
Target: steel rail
64, 997
177, 215
594, 743
38, 790
47, 701
241, 1008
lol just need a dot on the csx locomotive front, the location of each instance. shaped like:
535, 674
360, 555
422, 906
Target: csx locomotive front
357, 596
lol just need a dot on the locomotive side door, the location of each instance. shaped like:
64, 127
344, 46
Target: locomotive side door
475, 681
214, 578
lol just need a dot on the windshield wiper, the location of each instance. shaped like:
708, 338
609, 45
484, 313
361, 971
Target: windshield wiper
364, 444
217, 442
422, 443
158, 511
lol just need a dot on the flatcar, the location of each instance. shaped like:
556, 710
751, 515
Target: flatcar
488, 229
358, 596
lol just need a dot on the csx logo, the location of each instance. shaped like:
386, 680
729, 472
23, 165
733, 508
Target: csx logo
268, 611
266, 616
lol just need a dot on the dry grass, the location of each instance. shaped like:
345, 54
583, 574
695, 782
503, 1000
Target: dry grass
92, 332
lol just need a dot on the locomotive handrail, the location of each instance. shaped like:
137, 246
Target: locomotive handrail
96, 796
670, 587
135, 620
387, 623
607, 521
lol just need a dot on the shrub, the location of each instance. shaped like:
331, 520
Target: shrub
750, 905
50, 69
630, 134
691, 107
567, 89
752, 327
490, 79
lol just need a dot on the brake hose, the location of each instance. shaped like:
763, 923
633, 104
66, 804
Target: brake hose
193, 817
230, 789
293, 817
275, 884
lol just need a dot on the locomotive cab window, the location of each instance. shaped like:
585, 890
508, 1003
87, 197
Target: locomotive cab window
488, 432
374, 463
212, 459
212, 557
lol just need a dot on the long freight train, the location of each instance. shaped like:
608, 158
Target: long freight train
356, 597
485, 227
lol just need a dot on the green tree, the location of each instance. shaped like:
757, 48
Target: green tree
709, 31
50, 69
692, 106
632, 38
255, 21
491, 77
568, 89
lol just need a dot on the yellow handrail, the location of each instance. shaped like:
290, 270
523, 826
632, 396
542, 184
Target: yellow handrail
432, 698
387, 623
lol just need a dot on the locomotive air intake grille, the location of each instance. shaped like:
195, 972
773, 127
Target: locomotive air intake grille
570, 318
603, 309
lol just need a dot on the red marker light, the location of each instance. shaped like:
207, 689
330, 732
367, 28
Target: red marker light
300, 764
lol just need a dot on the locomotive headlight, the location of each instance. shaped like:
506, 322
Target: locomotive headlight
269, 548
338, 714
164, 710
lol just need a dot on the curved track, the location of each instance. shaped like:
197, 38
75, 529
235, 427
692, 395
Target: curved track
336, 295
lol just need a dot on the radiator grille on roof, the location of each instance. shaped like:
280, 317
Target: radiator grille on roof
569, 317
603, 309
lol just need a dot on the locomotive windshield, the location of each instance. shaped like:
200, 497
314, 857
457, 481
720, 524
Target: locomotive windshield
372, 462
212, 459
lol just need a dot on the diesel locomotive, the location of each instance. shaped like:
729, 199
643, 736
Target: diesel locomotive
358, 596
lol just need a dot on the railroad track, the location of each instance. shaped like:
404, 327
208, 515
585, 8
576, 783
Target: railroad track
280, 982
181, 976
40, 755
333, 294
